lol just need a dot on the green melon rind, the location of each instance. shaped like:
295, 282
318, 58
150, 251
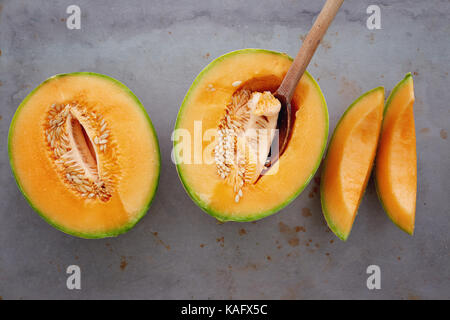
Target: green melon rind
258, 215
386, 107
339, 233
86, 235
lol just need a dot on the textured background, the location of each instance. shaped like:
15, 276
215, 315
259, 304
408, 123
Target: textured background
157, 48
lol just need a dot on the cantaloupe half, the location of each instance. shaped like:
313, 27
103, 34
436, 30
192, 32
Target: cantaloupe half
195, 135
396, 163
349, 161
85, 155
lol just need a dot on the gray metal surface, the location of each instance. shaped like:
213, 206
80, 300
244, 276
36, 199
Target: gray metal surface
157, 48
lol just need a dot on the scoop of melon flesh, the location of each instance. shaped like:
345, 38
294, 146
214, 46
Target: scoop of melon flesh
258, 133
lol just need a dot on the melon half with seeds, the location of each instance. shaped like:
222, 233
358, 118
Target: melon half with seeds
85, 155
227, 127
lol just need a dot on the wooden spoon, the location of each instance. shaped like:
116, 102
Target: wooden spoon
286, 90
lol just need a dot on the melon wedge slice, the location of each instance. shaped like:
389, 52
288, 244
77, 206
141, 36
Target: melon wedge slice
396, 164
349, 161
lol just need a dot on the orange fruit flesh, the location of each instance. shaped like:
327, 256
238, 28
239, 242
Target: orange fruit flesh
396, 164
349, 161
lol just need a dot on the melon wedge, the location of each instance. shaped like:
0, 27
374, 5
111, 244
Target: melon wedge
396, 163
85, 155
349, 161
202, 111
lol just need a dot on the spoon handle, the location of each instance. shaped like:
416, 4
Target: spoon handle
308, 48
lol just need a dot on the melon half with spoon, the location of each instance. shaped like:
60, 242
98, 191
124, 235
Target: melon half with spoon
85, 155
218, 156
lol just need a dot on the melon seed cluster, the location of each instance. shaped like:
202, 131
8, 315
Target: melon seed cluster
68, 128
241, 149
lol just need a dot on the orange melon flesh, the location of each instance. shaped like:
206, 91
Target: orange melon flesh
396, 164
137, 156
349, 161
257, 70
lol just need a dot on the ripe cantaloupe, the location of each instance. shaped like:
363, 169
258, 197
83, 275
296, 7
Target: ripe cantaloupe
85, 155
217, 104
349, 160
396, 163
